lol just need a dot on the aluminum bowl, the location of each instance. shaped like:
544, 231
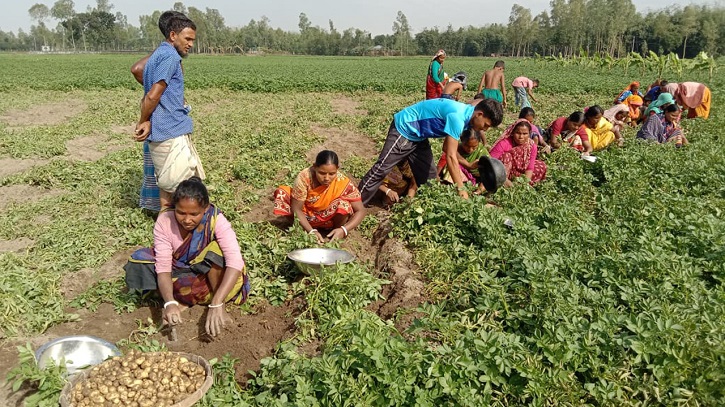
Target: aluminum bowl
78, 351
310, 260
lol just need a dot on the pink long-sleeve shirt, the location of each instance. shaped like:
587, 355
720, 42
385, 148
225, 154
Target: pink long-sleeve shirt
506, 145
167, 238
523, 82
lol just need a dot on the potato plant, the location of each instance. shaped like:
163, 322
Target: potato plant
606, 291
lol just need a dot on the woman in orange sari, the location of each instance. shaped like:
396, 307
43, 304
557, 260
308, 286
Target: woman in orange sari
322, 199
634, 104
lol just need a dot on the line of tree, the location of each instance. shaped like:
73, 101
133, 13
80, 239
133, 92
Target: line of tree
611, 27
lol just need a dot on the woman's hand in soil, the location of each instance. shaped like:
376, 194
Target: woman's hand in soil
392, 195
336, 234
172, 314
216, 319
318, 236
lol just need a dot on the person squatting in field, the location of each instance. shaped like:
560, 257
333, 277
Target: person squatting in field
517, 151
664, 127
493, 85
569, 131
470, 149
399, 182
326, 203
617, 115
409, 134
663, 100
631, 89
600, 131
164, 119
529, 114
195, 259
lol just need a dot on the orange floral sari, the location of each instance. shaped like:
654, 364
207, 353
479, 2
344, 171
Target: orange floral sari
321, 203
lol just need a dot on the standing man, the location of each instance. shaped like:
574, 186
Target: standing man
149, 195
165, 120
409, 134
523, 87
493, 84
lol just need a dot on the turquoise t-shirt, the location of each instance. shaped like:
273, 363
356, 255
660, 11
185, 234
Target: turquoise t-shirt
433, 118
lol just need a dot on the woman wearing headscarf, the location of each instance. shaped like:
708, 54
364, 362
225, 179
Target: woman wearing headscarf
434, 80
663, 127
634, 104
631, 89
517, 151
695, 97
660, 103
617, 115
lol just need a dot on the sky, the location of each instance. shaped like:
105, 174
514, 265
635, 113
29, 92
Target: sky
374, 16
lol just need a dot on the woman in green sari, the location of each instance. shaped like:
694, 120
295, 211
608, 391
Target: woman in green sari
471, 147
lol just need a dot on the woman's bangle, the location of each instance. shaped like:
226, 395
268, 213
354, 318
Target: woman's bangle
171, 303
215, 306
312, 231
344, 229
387, 193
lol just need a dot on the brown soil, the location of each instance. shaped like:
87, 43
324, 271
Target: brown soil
262, 211
10, 166
345, 143
24, 193
92, 148
123, 129
248, 338
76, 283
345, 105
15, 245
45, 114
407, 290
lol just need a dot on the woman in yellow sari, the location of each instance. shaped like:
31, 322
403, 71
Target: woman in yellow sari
600, 131
323, 200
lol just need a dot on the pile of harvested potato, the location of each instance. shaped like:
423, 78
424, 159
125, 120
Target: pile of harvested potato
139, 380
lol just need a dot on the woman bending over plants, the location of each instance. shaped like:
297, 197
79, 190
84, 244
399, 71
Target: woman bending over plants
399, 182
600, 131
664, 127
517, 151
618, 116
470, 148
195, 259
325, 201
569, 131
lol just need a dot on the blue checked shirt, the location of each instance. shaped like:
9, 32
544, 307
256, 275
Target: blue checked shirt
171, 118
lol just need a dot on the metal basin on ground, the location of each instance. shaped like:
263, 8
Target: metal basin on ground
309, 260
77, 351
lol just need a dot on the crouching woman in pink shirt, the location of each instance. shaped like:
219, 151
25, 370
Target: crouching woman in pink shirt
195, 259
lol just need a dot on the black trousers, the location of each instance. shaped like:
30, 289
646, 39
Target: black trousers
396, 149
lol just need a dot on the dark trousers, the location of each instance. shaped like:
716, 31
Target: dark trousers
396, 149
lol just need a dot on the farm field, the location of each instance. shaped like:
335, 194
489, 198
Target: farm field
608, 290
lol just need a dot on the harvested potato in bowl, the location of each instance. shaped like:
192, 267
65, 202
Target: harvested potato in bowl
138, 379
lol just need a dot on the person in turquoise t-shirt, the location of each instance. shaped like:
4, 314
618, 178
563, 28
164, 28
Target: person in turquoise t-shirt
409, 134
